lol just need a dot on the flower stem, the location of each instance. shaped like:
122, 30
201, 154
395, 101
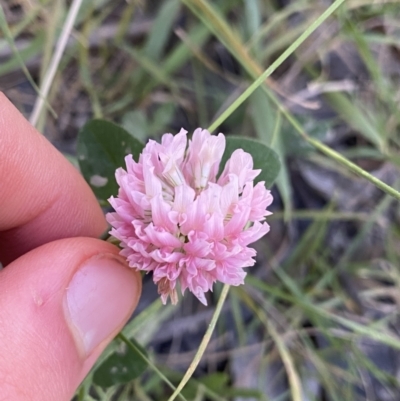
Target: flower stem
203, 344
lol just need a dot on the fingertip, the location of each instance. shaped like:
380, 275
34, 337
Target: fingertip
43, 196
100, 298
66, 301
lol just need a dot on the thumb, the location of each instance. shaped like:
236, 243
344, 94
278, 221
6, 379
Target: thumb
60, 305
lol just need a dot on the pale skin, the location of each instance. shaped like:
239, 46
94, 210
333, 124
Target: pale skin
49, 222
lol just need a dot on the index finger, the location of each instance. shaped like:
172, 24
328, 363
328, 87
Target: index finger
42, 196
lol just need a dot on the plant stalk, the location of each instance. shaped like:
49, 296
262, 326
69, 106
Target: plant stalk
203, 344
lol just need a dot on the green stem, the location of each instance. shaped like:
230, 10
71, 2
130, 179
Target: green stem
317, 144
291, 49
203, 344
321, 215
332, 153
55, 61
287, 360
123, 338
354, 168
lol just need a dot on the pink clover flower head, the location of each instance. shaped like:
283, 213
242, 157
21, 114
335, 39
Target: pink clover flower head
174, 218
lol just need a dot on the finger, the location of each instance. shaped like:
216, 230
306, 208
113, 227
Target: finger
60, 305
42, 196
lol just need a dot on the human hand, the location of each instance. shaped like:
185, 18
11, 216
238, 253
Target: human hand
63, 294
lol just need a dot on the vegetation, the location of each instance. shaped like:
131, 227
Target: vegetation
318, 318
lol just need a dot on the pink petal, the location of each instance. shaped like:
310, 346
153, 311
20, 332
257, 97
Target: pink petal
160, 237
240, 164
159, 212
174, 220
204, 156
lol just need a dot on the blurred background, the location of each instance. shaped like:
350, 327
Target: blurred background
318, 318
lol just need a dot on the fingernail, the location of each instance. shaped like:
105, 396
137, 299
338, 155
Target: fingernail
99, 299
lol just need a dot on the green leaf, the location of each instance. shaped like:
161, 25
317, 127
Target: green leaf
264, 157
135, 122
264, 116
102, 147
121, 367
